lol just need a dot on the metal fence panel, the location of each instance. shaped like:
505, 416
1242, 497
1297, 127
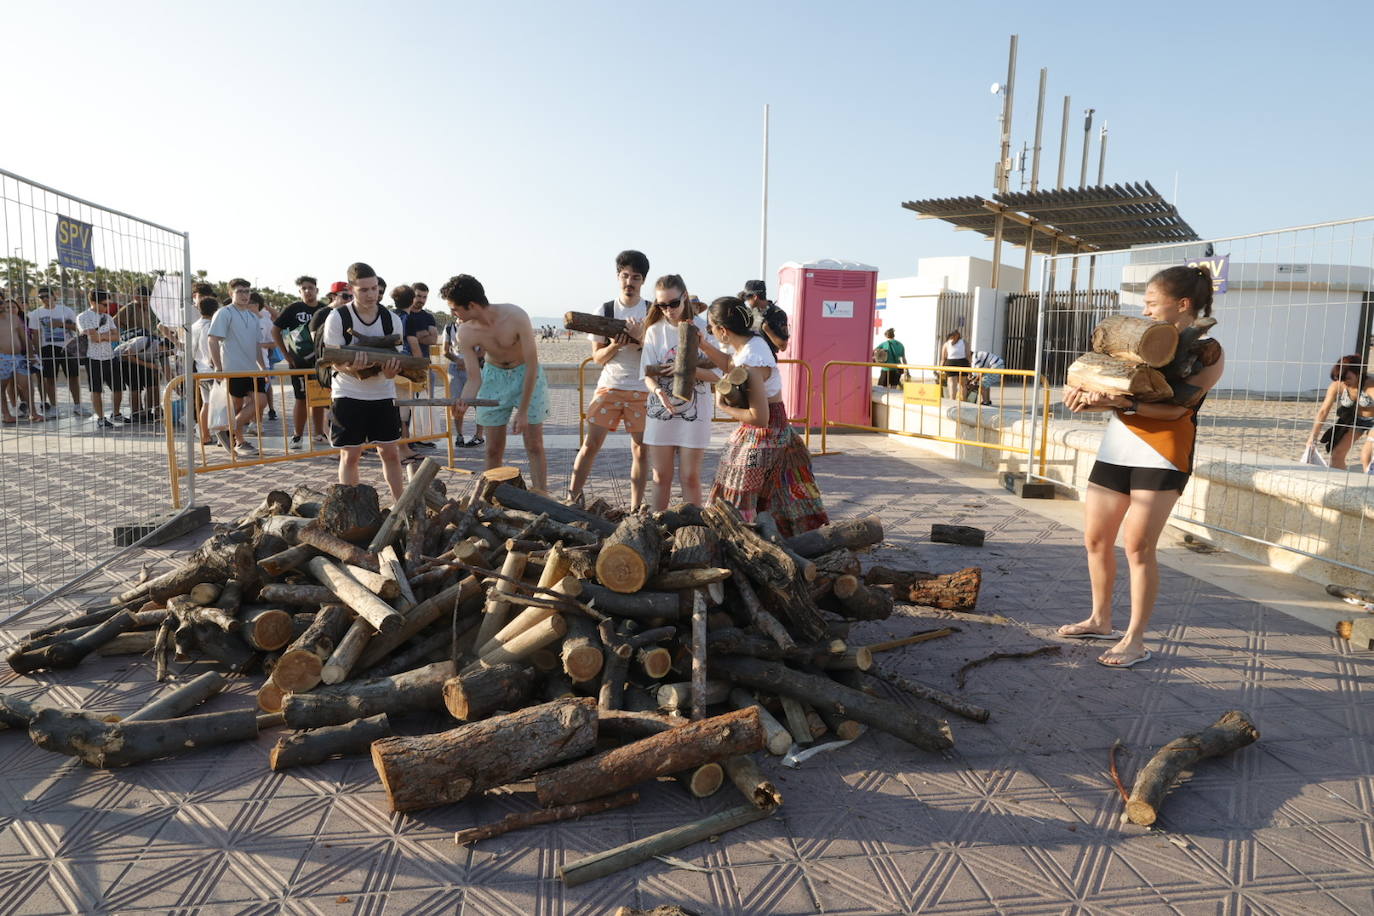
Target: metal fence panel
1289, 304
67, 477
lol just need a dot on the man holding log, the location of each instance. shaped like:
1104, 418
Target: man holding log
511, 376
363, 401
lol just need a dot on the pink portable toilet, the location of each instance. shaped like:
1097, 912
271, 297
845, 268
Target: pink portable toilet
831, 307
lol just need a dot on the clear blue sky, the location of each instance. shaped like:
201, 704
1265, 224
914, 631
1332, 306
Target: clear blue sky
526, 143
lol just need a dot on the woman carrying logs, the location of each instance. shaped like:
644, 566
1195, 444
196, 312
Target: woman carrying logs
1143, 464
1351, 392
673, 429
766, 464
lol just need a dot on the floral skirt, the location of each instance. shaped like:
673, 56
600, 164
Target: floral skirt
767, 468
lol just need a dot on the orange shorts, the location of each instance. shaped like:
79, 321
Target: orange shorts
612, 406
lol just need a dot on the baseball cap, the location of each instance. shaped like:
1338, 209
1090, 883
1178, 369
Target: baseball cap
338, 287
755, 288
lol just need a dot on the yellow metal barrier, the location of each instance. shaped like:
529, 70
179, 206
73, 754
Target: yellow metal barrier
282, 390
715, 418
1003, 374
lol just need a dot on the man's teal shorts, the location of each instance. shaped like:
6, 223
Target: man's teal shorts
504, 386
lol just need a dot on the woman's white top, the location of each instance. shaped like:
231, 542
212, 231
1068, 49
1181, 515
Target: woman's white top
689, 426
956, 349
756, 352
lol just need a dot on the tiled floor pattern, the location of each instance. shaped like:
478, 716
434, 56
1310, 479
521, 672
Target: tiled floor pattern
1019, 817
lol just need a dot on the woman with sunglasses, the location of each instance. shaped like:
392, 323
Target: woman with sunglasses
765, 465
674, 431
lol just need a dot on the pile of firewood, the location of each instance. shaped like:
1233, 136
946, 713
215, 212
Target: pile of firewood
1145, 359
585, 648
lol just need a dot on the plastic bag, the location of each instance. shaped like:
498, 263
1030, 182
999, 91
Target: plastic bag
219, 406
1313, 455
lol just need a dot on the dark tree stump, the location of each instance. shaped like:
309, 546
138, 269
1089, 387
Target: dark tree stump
964, 535
694, 547
351, 512
957, 591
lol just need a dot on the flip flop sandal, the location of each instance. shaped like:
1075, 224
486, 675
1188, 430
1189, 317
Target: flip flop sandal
1114, 634
1130, 664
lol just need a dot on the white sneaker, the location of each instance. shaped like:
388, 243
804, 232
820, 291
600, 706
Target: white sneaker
245, 449
250, 429
297, 443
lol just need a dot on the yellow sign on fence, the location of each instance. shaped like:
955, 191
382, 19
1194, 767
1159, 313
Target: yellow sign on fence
924, 393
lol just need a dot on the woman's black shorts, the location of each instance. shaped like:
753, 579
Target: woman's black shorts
357, 422
1123, 479
240, 386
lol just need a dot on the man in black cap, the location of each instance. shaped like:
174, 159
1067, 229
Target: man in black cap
769, 320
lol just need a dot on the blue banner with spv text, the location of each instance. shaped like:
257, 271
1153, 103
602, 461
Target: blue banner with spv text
74, 243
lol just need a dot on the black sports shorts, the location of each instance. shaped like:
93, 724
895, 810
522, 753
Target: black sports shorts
1124, 479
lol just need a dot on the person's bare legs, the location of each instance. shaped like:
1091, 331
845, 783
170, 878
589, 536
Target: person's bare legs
73, 385
1367, 452
1103, 510
639, 470
1339, 451
391, 468
534, 450
298, 412
689, 468
661, 468
495, 445
348, 464
586, 457
1145, 522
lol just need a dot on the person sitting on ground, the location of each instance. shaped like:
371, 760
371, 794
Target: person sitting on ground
1351, 392
512, 375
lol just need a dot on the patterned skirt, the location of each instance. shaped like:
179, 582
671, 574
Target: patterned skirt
767, 468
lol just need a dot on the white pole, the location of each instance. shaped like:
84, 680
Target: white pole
763, 230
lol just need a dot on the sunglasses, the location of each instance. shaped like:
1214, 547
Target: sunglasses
346, 297
670, 305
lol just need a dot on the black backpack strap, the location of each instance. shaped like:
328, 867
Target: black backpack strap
346, 323
607, 309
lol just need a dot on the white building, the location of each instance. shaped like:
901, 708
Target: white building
946, 293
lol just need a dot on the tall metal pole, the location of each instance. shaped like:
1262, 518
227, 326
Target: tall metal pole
763, 228
1102, 155
1002, 169
1063, 144
188, 388
1087, 142
1039, 123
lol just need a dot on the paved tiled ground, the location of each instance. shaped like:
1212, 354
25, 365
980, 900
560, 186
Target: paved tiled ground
1019, 817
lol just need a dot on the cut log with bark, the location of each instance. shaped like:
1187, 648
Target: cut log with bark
581, 653
302, 664
347, 651
484, 691
777, 739
734, 641
745, 774
206, 593
766, 623
495, 613
337, 547
320, 744
414, 491
957, 591
644, 605
861, 602
1232, 731
528, 501
279, 564
187, 612
265, 628
768, 528
683, 579
394, 571
794, 717
544, 816
454, 597
703, 781
376, 356
901, 580
117, 744
839, 562
850, 534
934, 695
400, 694
681, 515
140, 643
1136, 340
692, 745
429, 770
678, 696
623, 724
654, 661
221, 558
700, 699
629, 556
175, 702
1108, 375
350, 511
531, 616
600, 325
68, 653
770, 566
911, 726
694, 547
732, 388
211, 643
384, 618
685, 360
527, 642
964, 535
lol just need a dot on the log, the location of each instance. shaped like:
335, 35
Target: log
685, 360
395, 572
129, 644
337, 547
515, 498
222, 557
1351, 593
278, 564
769, 565
732, 388
532, 615
411, 691
433, 646
933, 695
479, 693
266, 628
296, 595
494, 614
104, 744
188, 612
794, 717
699, 700
680, 515
319, 744
622, 724
429, 770
599, 325
557, 567
271, 698
68, 653
838, 562
678, 696
1136, 340
777, 739
613, 671
276, 502
644, 605
682, 579
913, 639
1108, 375
629, 556
581, 654
850, 534
177, 701
206, 593
1232, 731
694, 547
768, 527
734, 641
344, 356
545, 816
300, 667
860, 602
531, 640
692, 745
642, 850
753, 607
347, 651
964, 535
744, 773
306, 501
414, 491
384, 618
900, 579
957, 591
419, 618
655, 662
911, 726
703, 781
350, 511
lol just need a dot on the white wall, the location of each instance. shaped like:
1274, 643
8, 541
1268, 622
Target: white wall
911, 305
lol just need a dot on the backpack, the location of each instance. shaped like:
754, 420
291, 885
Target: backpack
325, 374
881, 354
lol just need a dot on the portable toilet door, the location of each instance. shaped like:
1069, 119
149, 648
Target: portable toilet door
831, 306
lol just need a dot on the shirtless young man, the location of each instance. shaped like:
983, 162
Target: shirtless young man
14, 364
511, 375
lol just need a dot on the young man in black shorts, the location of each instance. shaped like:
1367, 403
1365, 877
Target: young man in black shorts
363, 395
291, 331
236, 346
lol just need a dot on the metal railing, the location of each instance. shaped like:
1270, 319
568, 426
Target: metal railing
1027, 396
204, 465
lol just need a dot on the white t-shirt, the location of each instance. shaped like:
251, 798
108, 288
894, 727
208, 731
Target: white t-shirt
623, 370
376, 388
956, 349
95, 320
240, 332
660, 346
52, 322
756, 352
200, 344
265, 327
